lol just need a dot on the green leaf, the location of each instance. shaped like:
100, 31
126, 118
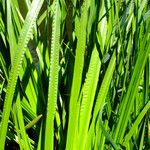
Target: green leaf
53, 78
109, 138
16, 65
80, 27
132, 90
136, 123
89, 91
102, 95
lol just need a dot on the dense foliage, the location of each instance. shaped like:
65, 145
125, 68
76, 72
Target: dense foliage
74, 74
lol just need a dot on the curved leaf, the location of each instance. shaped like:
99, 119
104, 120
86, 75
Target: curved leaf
17, 61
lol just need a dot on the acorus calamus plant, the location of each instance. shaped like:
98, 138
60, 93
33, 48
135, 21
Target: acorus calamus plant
74, 74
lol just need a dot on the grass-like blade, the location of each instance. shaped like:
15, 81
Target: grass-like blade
102, 94
136, 123
53, 79
105, 132
16, 65
88, 97
132, 89
24, 137
80, 27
